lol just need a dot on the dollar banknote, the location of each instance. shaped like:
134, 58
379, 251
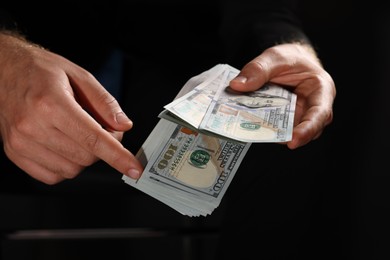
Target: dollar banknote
187, 170
191, 107
212, 107
194, 151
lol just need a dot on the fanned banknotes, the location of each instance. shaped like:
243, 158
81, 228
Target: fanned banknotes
193, 153
212, 107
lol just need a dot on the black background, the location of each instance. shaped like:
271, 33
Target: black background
329, 199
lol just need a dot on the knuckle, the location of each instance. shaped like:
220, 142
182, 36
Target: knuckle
259, 65
106, 99
23, 126
276, 51
116, 159
92, 142
54, 179
71, 171
86, 159
58, 173
15, 142
43, 104
86, 74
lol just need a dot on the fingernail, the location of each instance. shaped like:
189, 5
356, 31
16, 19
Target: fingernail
121, 118
133, 173
241, 79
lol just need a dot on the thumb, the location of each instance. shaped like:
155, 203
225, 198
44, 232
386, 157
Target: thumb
251, 77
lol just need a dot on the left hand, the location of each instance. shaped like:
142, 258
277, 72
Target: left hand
297, 66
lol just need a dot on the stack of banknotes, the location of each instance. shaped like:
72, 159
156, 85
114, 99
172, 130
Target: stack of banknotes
193, 153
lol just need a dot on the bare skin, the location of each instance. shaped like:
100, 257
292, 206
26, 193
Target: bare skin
296, 66
56, 118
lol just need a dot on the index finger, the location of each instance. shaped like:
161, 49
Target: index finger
81, 127
75, 122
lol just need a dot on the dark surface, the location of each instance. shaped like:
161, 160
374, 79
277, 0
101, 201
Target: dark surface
327, 200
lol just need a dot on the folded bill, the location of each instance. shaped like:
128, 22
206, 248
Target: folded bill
194, 151
212, 107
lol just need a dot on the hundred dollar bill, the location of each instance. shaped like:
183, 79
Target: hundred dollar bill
187, 170
264, 115
191, 107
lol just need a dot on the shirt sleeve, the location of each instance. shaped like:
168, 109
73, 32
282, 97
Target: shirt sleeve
248, 27
6, 21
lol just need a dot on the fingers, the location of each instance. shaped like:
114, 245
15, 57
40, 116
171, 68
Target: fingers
58, 143
298, 67
90, 135
311, 124
37, 171
51, 153
61, 119
285, 64
98, 101
259, 71
252, 76
304, 133
41, 163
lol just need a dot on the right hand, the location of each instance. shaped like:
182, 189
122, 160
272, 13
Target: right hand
55, 117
